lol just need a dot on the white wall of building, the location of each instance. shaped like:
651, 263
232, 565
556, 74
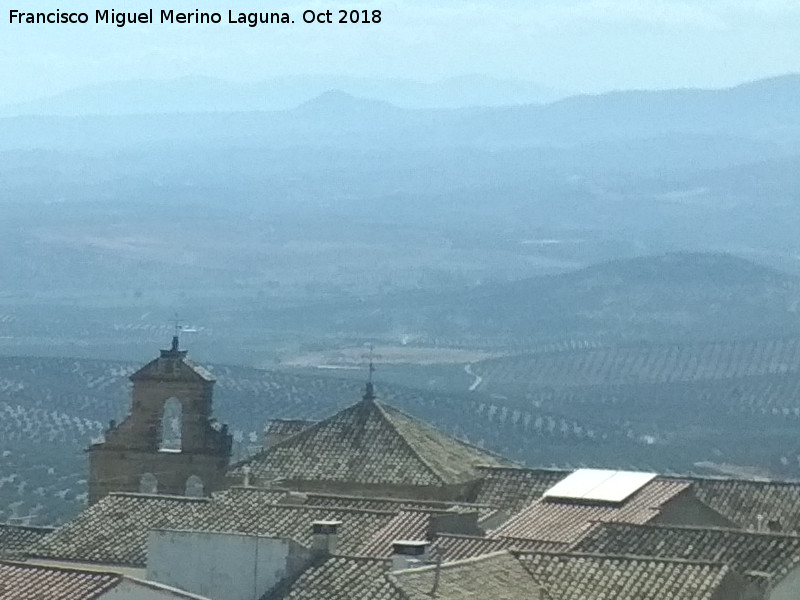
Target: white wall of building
222, 566
788, 588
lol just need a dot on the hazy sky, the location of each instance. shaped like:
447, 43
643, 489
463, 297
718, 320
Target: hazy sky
574, 45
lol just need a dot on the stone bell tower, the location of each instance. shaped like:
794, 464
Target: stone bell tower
168, 443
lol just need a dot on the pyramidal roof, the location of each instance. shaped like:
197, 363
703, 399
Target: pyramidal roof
372, 443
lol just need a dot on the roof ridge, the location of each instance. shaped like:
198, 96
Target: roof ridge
602, 556
28, 527
385, 416
447, 435
396, 500
450, 564
361, 557
309, 431
63, 568
730, 478
300, 435
349, 509
524, 469
190, 499
464, 536
730, 530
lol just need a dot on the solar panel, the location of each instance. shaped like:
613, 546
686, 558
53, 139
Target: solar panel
599, 485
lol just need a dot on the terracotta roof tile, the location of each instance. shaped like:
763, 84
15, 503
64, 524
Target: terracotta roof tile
372, 443
114, 530
498, 576
553, 520
743, 501
406, 525
341, 578
746, 552
15, 540
250, 510
582, 576
458, 547
514, 488
19, 581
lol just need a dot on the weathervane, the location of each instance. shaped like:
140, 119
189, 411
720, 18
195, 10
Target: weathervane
176, 322
176, 336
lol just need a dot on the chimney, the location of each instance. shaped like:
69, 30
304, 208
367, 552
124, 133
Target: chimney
407, 554
294, 498
325, 537
774, 526
246, 473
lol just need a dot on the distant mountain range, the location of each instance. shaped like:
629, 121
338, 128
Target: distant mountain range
763, 116
206, 94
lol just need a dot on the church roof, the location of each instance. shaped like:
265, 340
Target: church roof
371, 443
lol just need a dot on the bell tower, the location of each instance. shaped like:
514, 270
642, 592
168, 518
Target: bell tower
168, 443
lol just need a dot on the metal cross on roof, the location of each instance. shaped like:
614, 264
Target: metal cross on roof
369, 393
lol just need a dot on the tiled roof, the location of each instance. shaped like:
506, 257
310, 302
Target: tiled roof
252, 511
739, 500
514, 488
552, 520
31, 582
746, 552
341, 578
16, 539
582, 576
406, 525
498, 576
743, 501
114, 530
371, 443
458, 547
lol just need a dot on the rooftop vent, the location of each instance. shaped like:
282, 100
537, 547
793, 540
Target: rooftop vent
407, 554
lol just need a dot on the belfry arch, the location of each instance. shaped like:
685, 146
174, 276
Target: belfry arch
172, 426
194, 487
